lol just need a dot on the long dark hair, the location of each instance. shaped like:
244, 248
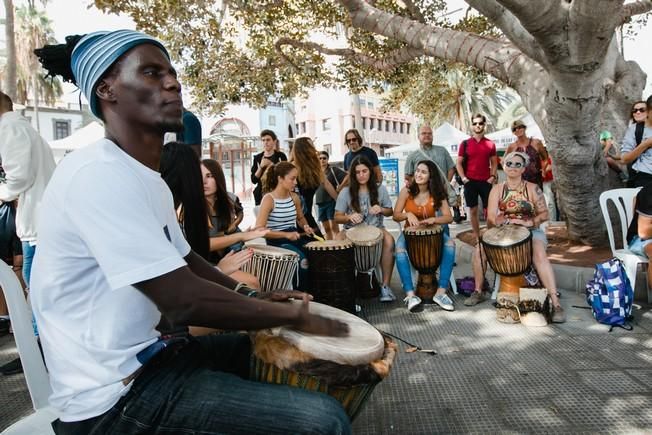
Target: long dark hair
281, 169
309, 172
354, 186
180, 170
223, 205
435, 184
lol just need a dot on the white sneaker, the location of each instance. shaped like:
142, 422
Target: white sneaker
444, 301
386, 294
412, 302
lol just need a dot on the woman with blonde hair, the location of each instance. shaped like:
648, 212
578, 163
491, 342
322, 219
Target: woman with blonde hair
309, 175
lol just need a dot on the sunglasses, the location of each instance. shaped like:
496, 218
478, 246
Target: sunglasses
516, 165
516, 128
323, 158
639, 110
478, 123
355, 139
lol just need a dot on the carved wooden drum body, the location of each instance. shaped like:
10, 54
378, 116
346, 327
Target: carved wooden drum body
424, 247
332, 273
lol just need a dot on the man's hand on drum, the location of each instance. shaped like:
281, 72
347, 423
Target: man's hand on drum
413, 221
316, 324
234, 260
375, 209
282, 295
356, 218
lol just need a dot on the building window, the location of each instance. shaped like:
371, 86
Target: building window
370, 104
407, 128
328, 148
303, 127
326, 123
364, 123
372, 123
362, 102
386, 125
61, 128
394, 127
271, 120
298, 127
401, 128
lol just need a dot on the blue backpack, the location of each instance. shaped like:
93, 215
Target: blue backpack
610, 294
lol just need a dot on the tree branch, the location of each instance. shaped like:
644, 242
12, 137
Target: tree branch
511, 27
414, 11
636, 8
387, 63
498, 58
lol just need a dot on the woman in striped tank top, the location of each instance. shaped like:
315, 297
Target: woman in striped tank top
280, 211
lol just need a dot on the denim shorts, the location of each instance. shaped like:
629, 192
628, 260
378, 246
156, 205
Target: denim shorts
539, 234
326, 211
637, 246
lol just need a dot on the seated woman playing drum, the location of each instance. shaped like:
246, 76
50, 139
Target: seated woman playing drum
280, 211
424, 202
519, 202
365, 202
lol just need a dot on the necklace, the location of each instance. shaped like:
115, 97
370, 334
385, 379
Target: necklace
520, 183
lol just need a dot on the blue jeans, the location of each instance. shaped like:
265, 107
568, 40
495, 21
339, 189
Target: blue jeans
203, 387
28, 257
405, 269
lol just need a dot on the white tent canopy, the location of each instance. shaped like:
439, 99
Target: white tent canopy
80, 138
504, 137
445, 135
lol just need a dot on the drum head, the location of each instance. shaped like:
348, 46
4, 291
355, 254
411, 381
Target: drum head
272, 251
329, 245
505, 235
364, 234
421, 231
363, 344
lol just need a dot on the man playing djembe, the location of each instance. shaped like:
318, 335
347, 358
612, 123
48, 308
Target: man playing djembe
519, 202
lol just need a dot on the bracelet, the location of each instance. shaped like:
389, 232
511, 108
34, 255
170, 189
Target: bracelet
245, 290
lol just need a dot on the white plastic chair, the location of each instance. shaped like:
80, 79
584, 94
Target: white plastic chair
38, 382
623, 200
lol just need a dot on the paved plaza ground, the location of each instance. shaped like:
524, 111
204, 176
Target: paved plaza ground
487, 377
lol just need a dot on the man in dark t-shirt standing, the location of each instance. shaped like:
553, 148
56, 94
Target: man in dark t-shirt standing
353, 140
477, 165
262, 161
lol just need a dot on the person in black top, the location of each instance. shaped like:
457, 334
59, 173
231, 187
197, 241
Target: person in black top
264, 160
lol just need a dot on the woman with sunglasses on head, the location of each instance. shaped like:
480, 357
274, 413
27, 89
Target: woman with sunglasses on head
309, 176
327, 194
224, 213
364, 201
519, 202
424, 202
635, 151
280, 211
533, 148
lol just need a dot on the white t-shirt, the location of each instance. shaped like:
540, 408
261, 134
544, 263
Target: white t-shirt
107, 222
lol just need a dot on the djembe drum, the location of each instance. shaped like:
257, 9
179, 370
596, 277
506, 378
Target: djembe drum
332, 273
509, 251
274, 267
368, 247
348, 368
424, 247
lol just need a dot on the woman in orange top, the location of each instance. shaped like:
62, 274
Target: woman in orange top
422, 203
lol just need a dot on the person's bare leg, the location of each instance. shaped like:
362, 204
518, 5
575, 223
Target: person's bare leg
544, 269
387, 258
335, 228
475, 223
328, 233
478, 268
648, 252
3, 305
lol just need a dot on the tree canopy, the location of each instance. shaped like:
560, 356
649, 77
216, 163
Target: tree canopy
560, 56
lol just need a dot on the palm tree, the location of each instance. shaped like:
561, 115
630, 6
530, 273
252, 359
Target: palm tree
9, 76
34, 30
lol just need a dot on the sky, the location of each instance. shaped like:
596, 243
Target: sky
75, 17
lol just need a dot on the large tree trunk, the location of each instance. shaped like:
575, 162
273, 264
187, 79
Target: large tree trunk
10, 78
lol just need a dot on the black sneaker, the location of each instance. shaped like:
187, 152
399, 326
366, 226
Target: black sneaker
4, 326
12, 368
